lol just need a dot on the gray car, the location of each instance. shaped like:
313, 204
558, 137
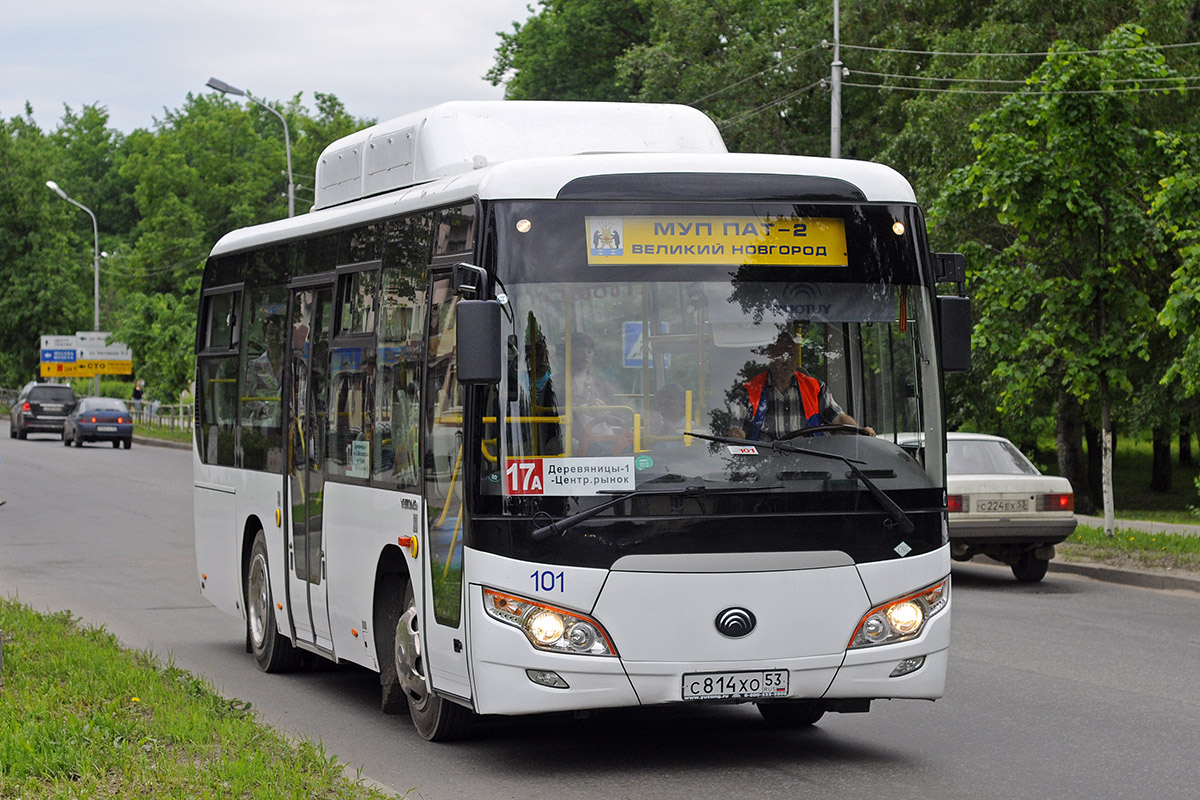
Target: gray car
41, 408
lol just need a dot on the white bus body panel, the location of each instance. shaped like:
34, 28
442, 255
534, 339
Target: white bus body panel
221, 536
660, 612
365, 521
214, 511
544, 178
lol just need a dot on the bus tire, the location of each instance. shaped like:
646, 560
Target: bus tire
791, 713
435, 718
389, 603
272, 651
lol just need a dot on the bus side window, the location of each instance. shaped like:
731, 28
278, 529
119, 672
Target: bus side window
397, 399
264, 329
216, 409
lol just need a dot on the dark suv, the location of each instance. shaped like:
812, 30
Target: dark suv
40, 407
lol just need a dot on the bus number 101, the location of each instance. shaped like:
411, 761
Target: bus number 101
547, 581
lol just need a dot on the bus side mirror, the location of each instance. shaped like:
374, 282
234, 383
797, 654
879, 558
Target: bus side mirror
954, 333
477, 342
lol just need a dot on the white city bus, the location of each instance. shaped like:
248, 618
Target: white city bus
481, 421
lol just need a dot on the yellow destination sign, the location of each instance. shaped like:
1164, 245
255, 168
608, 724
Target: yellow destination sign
768, 241
85, 369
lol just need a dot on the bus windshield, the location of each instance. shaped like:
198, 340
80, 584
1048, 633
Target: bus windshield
611, 367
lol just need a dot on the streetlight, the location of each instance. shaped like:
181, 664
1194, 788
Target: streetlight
224, 88
96, 261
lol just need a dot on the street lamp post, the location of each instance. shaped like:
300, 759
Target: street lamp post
225, 88
54, 187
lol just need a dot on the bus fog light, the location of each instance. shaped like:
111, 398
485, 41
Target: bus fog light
545, 627
545, 677
908, 665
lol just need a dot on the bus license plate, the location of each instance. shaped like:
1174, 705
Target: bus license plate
106, 428
735, 685
1002, 506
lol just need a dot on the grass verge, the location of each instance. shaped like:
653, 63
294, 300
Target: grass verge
1133, 549
82, 717
166, 434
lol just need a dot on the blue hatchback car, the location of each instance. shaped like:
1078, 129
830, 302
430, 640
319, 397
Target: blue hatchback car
99, 419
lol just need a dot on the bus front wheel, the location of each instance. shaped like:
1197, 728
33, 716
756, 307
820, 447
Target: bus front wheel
791, 713
272, 651
435, 718
389, 605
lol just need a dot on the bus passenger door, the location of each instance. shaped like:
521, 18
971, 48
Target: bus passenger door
446, 658
311, 328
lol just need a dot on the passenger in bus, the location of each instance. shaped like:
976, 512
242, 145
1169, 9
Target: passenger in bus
264, 373
598, 428
587, 389
784, 398
670, 406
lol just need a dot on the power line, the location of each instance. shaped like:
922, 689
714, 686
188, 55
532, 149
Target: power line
729, 123
1041, 54
1019, 82
938, 90
771, 68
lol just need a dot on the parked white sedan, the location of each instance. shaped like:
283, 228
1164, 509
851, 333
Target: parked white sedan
1001, 506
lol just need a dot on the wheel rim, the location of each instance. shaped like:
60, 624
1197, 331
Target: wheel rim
409, 666
259, 599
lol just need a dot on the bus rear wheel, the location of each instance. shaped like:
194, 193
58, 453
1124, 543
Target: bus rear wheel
272, 651
435, 718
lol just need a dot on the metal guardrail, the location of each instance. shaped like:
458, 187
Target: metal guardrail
175, 417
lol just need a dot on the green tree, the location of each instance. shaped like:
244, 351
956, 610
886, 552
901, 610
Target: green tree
47, 281
1065, 165
568, 51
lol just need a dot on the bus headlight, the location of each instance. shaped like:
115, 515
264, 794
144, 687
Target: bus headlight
901, 619
548, 627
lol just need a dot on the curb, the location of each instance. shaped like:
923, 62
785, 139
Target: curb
1128, 577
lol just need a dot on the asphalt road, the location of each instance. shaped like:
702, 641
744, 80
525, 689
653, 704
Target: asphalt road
1068, 689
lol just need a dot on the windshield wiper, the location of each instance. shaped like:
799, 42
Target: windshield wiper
895, 512
566, 523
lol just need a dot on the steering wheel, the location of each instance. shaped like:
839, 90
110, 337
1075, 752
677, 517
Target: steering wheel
611, 420
840, 427
606, 435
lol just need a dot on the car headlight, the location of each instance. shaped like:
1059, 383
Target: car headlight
548, 627
901, 619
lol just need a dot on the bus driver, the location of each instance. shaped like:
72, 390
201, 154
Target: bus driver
784, 398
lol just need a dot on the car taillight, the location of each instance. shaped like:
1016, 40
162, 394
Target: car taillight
93, 419
25, 407
958, 503
1056, 502
120, 419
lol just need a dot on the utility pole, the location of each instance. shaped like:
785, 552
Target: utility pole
835, 83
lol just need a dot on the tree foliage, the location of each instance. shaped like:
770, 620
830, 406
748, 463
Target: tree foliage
162, 197
1037, 134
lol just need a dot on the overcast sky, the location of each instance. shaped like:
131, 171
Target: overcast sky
382, 58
